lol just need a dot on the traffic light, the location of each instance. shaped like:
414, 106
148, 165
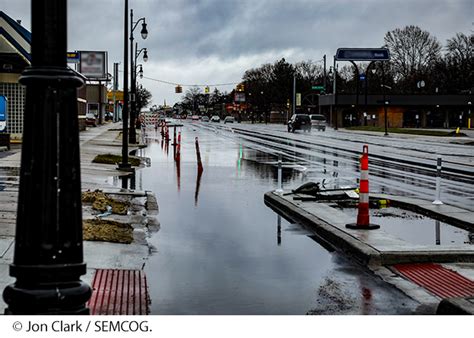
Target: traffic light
240, 87
178, 89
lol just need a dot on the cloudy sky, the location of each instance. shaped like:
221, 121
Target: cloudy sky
209, 42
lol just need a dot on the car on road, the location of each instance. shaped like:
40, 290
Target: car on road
195, 117
299, 122
205, 119
91, 120
215, 118
229, 119
318, 121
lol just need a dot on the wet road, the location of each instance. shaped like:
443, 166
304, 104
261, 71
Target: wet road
220, 250
403, 165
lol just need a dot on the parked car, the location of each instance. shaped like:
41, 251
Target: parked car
215, 118
205, 119
229, 119
91, 120
318, 121
299, 122
195, 117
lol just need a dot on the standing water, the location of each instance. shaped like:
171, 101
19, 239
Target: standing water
220, 250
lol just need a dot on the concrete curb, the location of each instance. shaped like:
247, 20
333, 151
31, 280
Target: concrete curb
362, 251
340, 240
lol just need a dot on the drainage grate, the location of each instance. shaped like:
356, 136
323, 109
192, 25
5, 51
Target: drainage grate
119, 292
442, 282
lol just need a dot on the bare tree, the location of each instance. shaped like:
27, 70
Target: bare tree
460, 48
309, 71
412, 51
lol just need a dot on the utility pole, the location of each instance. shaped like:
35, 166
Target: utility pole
324, 79
48, 257
293, 109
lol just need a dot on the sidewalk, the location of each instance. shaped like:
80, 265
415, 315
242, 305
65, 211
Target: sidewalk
97, 255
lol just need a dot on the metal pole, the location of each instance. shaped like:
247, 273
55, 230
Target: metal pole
439, 164
280, 183
293, 110
278, 230
367, 90
133, 135
437, 232
125, 165
115, 118
324, 80
100, 103
48, 257
357, 90
384, 102
335, 93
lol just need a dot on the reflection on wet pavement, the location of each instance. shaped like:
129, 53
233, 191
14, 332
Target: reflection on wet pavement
216, 251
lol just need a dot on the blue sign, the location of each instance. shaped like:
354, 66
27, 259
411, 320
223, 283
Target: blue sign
3, 108
362, 77
362, 54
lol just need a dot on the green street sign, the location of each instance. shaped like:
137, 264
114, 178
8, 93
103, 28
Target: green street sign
317, 87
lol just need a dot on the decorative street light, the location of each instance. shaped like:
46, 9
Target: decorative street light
140, 72
133, 56
48, 258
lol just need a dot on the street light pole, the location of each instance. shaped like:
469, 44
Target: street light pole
293, 109
367, 89
334, 90
384, 101
125, 165
144, 33
48, 257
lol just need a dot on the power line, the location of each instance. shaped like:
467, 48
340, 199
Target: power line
192, 85
189, 85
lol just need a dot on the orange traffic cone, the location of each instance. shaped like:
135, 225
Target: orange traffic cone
363, 222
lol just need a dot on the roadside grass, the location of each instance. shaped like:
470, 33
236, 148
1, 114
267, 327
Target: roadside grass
114, 159
406, 131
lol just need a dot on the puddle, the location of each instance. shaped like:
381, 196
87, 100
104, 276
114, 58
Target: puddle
416, 228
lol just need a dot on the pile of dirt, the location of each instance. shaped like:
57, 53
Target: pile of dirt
107, 231
100, 201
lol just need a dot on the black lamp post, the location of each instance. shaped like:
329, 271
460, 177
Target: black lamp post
125, 165
133, 56
48, 258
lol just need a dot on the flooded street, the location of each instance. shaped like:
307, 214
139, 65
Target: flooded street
220, 250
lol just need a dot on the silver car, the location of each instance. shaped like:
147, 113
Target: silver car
318, 121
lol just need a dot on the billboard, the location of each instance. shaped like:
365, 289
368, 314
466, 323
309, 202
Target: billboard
93, 64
